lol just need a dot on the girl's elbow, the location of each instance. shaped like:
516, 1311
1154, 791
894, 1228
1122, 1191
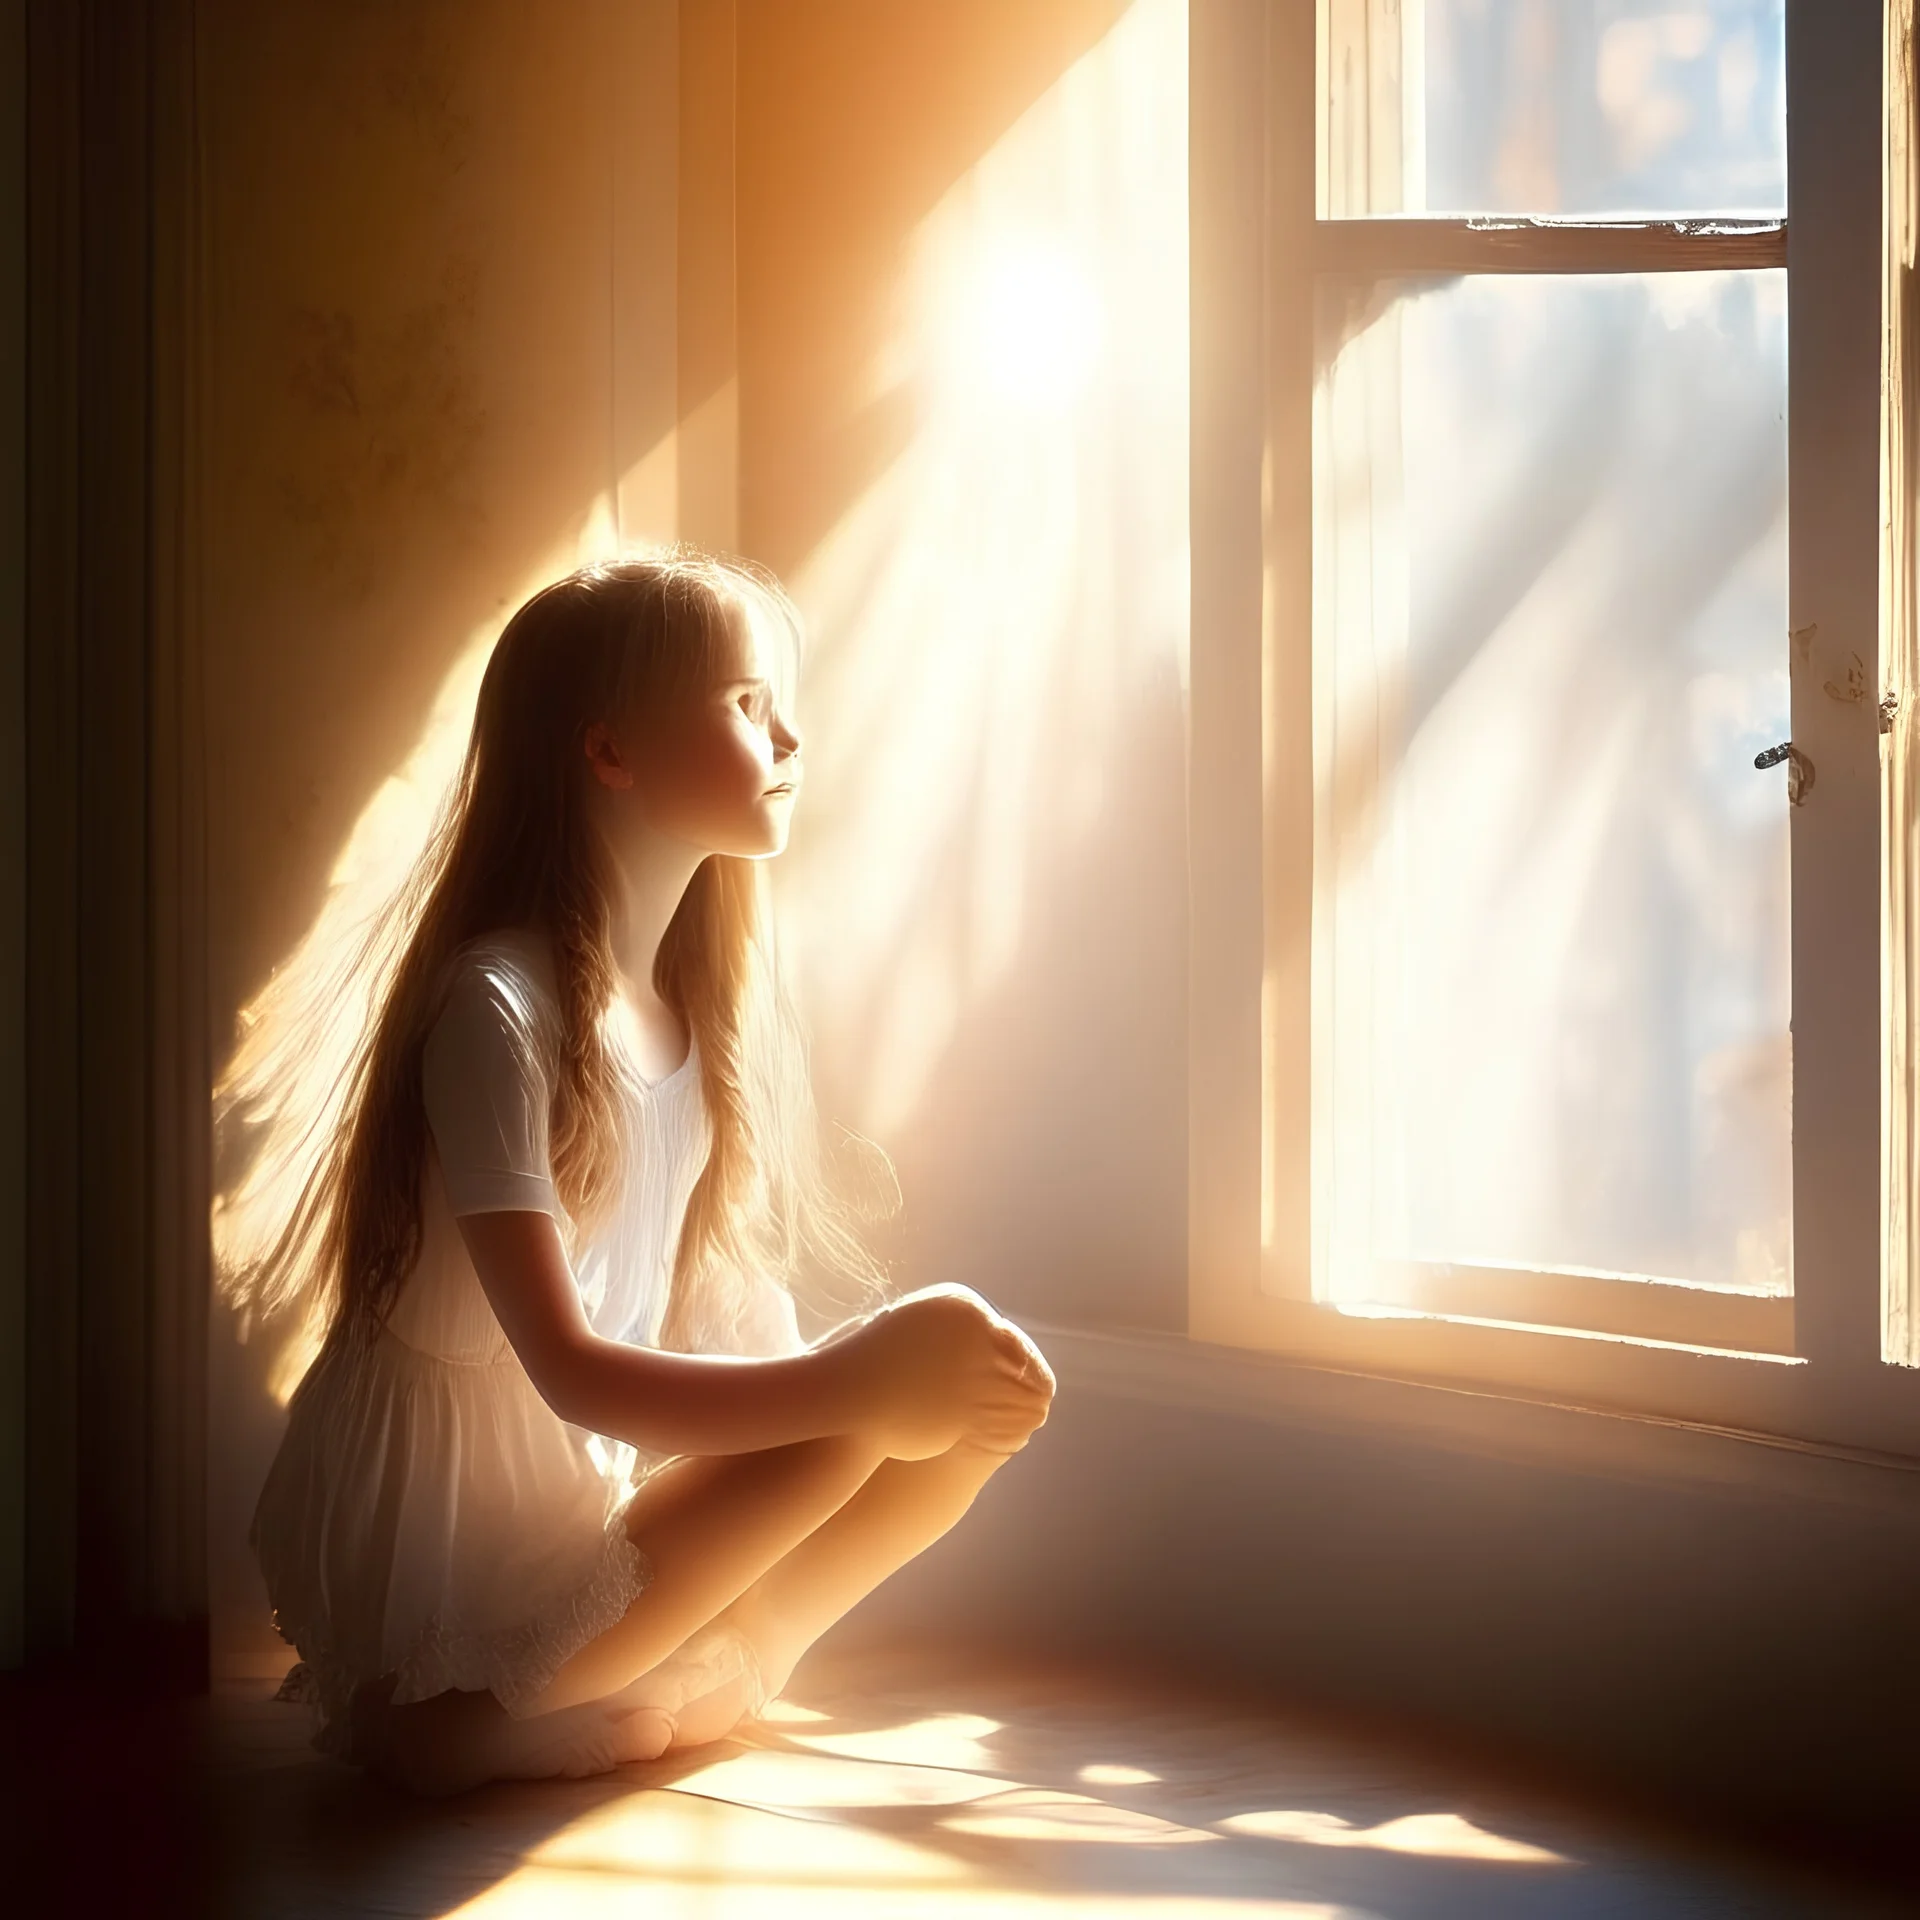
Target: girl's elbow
563, 1377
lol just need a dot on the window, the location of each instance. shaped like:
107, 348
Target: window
1564, 750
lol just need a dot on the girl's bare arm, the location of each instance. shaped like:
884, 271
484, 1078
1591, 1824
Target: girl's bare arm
916, 1377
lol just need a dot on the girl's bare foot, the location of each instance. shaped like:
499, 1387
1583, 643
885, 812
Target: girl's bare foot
457, 1741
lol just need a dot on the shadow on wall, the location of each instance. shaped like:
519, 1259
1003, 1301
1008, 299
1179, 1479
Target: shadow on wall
416, 405
987, 894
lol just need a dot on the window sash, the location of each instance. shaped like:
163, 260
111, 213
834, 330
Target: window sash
1258, 248
1629, 1306
1369, 249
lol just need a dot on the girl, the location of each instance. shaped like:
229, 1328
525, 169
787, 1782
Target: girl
536, 1510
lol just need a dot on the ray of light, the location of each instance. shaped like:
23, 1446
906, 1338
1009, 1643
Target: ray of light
796, 1782
941, 1740
1037, 1813
539, 1892
687, 1838
1107, 1774
1440, 1836
786, 1713
989, 616
677, 1856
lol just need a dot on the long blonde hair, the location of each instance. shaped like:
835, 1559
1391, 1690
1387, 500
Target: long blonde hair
514, 846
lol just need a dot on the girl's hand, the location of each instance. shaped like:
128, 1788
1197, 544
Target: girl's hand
941, 1366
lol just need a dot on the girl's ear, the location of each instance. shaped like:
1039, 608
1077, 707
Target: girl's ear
603, 755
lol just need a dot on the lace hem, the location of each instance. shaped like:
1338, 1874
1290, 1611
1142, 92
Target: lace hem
515, 1664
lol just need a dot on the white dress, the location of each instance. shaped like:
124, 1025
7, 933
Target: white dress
428, 1515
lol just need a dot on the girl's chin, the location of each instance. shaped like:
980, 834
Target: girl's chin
756, 846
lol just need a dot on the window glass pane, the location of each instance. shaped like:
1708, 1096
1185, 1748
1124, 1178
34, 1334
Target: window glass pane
1551, 933
1654, 108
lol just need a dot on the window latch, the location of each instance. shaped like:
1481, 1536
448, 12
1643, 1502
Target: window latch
1799, 769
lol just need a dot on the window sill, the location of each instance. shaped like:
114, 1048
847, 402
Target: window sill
1312, 1394
1660, 1314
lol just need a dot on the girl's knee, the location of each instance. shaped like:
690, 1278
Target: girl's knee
855, 1455
978, 1462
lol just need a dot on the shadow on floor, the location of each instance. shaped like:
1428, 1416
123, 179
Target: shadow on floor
895, 1786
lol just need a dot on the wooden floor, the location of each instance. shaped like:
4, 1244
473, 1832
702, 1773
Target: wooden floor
900, 1793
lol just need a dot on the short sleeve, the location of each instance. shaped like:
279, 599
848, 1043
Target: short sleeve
485, 1083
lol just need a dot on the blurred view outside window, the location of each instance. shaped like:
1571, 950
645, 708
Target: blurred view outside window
1551, 985
1592, 109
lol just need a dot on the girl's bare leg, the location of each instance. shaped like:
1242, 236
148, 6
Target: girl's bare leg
901, 1510
710, 1527
778, 1545
898, 1512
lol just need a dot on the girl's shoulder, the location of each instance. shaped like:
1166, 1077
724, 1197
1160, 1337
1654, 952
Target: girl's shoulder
522, 954
503, 978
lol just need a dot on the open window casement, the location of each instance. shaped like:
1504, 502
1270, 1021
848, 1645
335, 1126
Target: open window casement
1569, 662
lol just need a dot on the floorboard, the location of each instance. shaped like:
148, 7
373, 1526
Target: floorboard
905, 1789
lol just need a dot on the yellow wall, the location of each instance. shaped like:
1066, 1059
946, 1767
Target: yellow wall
414, 393
439, 344
491, 287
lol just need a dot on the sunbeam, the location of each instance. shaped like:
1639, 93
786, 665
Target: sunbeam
986, 615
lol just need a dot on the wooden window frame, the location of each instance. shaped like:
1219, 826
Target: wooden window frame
1808, 1369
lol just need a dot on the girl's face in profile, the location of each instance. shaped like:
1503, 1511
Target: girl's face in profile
718, 769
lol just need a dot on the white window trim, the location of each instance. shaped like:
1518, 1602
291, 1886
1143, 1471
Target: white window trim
1253, 71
